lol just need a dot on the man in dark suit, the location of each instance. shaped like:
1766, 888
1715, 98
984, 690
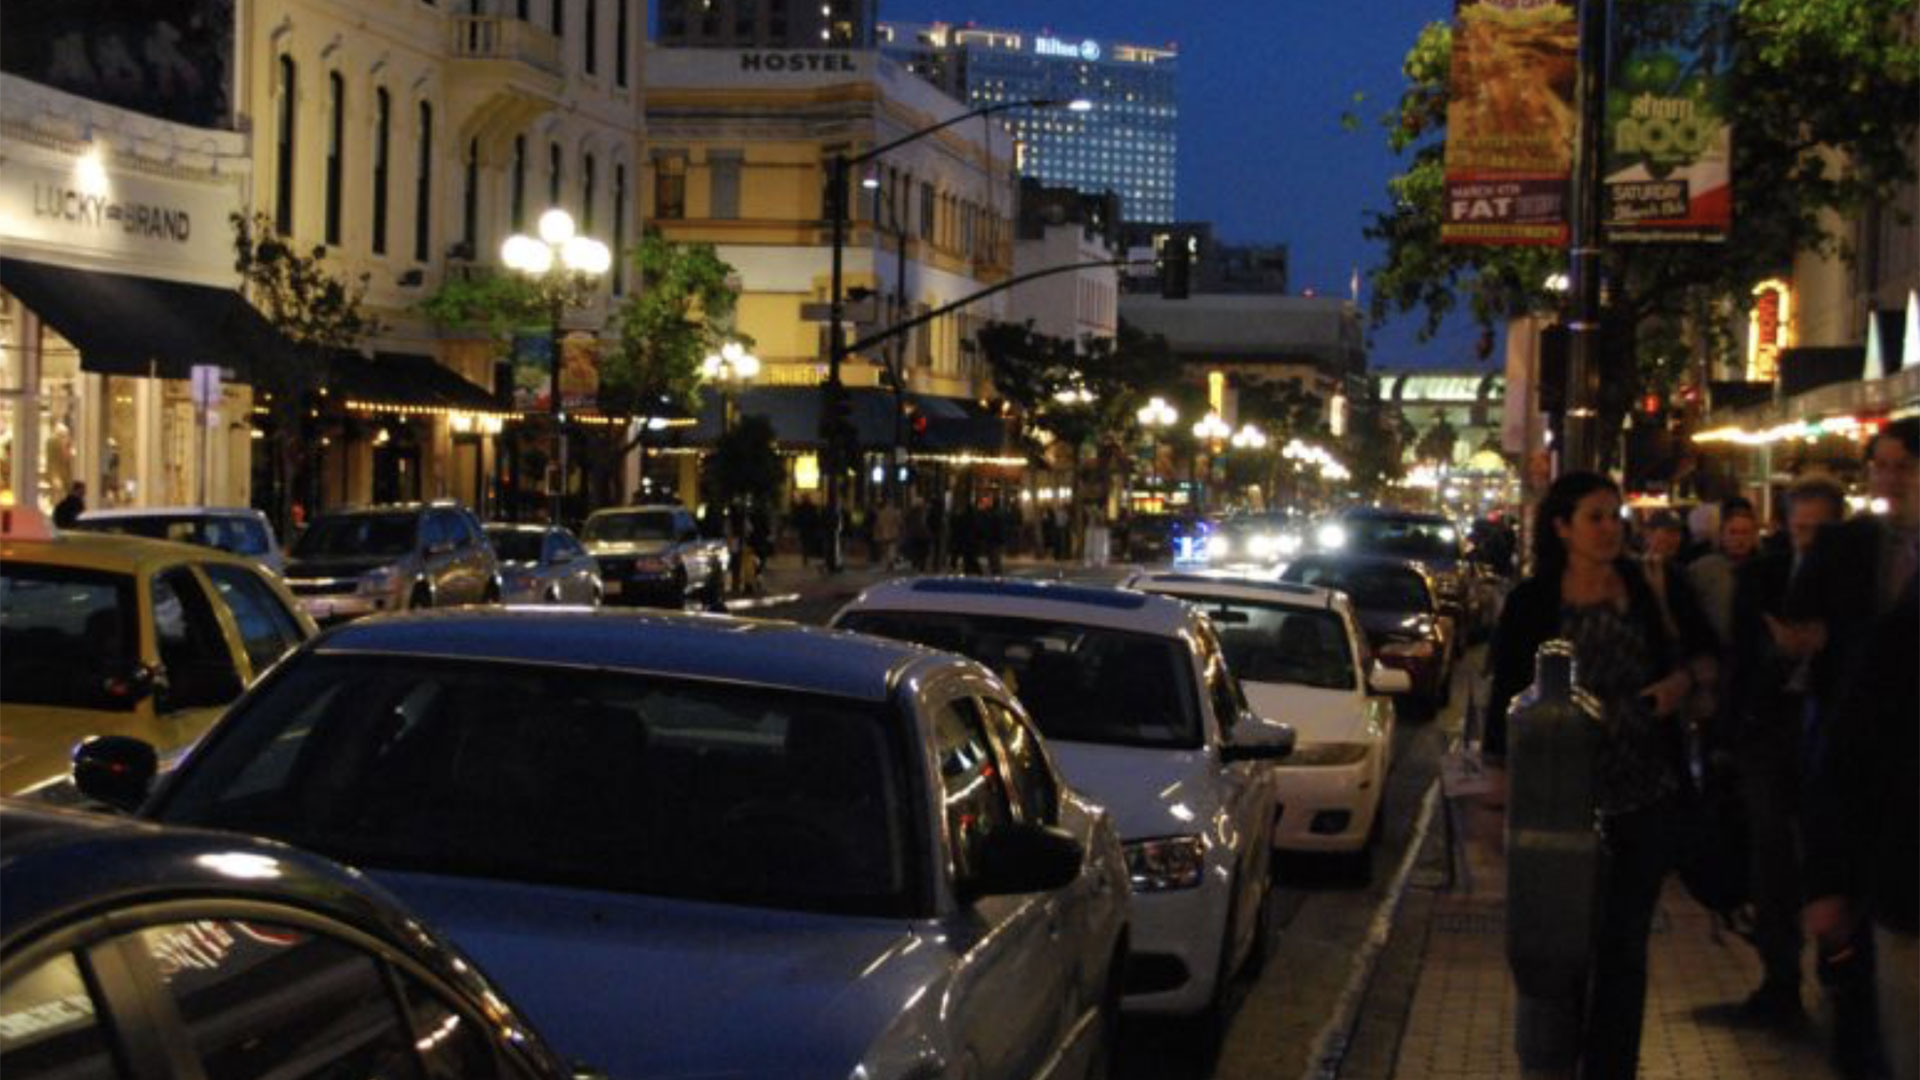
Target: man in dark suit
1853, 609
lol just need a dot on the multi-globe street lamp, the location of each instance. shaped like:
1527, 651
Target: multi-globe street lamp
1212, 430
564, 267
833, 391
731, 367
1154, 417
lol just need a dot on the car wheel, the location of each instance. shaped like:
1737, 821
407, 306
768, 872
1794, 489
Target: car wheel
553, 595
598, 597
422, 598
491, 595
680, 585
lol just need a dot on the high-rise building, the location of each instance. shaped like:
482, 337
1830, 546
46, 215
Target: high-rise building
1126, 143
766, 24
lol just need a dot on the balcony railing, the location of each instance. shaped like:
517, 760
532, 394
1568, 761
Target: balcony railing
498, 37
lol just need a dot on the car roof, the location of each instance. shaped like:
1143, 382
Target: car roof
1363, 561
721, 648
113, 552
1382, 512
1231, 587
1120, 609
509, 526
119, 512
645, 508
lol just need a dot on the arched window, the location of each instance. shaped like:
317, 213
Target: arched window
382, 132
423, 193
336, 151
283, 150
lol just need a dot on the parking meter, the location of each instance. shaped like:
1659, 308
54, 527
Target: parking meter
1553, 856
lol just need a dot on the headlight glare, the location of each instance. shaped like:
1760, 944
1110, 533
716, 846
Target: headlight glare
1174, 862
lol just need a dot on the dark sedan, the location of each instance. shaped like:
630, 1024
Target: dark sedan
180, 952
1394, 601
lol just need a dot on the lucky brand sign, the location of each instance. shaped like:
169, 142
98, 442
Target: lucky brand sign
1510, 122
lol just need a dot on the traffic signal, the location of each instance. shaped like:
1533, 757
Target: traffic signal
916, 428
1173, 257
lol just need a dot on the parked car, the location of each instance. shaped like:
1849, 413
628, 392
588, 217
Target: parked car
1394, 600
207, 954
1133, 694
103, 634
694, 846
543, 564
1300, 654
396, 557
1257, 538
1431, 540
239, 529
655, 555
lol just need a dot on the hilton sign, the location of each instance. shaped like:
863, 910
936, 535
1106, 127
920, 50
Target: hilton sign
1088, 50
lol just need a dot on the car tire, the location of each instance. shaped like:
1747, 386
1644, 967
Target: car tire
598, 597
491, 595
553, 595
421, 598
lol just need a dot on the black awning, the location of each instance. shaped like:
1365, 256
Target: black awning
953, 426
127, 325
1807, 368
403, 380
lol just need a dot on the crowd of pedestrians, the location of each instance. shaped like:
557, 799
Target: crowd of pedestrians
1794, 660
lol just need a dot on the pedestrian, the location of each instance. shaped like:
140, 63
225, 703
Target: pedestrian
886, 535
68, 510
1585, 590
806, 522
1766, 697
918, 532
1854, 609
1712, 575
1665, 537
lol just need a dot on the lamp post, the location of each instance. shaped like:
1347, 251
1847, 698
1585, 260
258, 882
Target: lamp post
564, 267
732, 366
833, 392
1156, 416
1214, 431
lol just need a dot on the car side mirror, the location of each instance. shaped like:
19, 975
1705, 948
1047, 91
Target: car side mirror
1023, 858
115, 769
1382, 679
1257, 739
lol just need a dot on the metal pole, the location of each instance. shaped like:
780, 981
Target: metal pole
899, 350
836, 350
557, 305
1581, 428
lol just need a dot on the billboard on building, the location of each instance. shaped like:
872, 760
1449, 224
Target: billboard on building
1669, 136
1510, 121
171, 59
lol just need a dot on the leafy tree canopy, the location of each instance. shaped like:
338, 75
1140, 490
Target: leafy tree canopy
1031, 370
681, 311
492, 301
1824, 111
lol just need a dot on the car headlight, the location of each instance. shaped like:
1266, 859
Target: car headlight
1219, 547
1418, 650
1330, 537
379, 579
1175, 862
1325, 754
1263, 546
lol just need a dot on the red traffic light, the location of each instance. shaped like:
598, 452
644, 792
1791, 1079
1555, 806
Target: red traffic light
1650, 404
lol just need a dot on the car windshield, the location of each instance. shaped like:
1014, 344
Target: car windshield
645, 525
234, 534
549, 775
1411, 537
1279, 643
516, 545
1371, 588
68, 637
371, 535
1081, 683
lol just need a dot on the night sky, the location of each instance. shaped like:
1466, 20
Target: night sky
1263, 155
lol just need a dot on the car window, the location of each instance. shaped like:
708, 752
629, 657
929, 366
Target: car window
453, 1044
1279, 643
1079, 683
193, 650
359, 535
1029, 777
1411, 537
65, 633
566, 547
441, 530
267, 629
1223, 690
1377, 588
973, 800
515, 545
50, 1026
548, 775
259, 999
640, 525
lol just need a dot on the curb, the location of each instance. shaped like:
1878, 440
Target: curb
1329, 1048
749, 603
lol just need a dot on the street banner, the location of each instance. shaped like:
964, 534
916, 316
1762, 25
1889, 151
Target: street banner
1666, 174
1510, 122
533, 372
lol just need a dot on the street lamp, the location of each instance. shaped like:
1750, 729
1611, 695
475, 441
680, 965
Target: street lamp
1214, 431
832, 391
1249, 438
563, 267
1155, 416
732, 366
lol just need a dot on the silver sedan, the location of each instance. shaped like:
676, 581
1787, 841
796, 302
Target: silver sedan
544, 564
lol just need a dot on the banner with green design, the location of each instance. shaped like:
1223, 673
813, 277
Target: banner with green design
1669, 145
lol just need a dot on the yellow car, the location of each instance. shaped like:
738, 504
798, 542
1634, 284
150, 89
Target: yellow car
121, 635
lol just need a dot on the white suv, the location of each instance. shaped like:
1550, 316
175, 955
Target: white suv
1133, 695
1303, 658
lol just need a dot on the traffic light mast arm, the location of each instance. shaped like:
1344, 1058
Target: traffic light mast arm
905, 325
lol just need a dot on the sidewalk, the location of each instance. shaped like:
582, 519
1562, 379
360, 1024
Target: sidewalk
1451, 934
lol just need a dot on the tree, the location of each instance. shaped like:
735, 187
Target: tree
1285, 411
746, 464
495, 303
1436, 444
1031, 369
315, 309
681, 311
1824, 120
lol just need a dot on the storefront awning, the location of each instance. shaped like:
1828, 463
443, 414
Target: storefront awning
140, 326
794, 412
403, 382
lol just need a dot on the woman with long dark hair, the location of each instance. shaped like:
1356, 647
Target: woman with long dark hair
1633, 653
